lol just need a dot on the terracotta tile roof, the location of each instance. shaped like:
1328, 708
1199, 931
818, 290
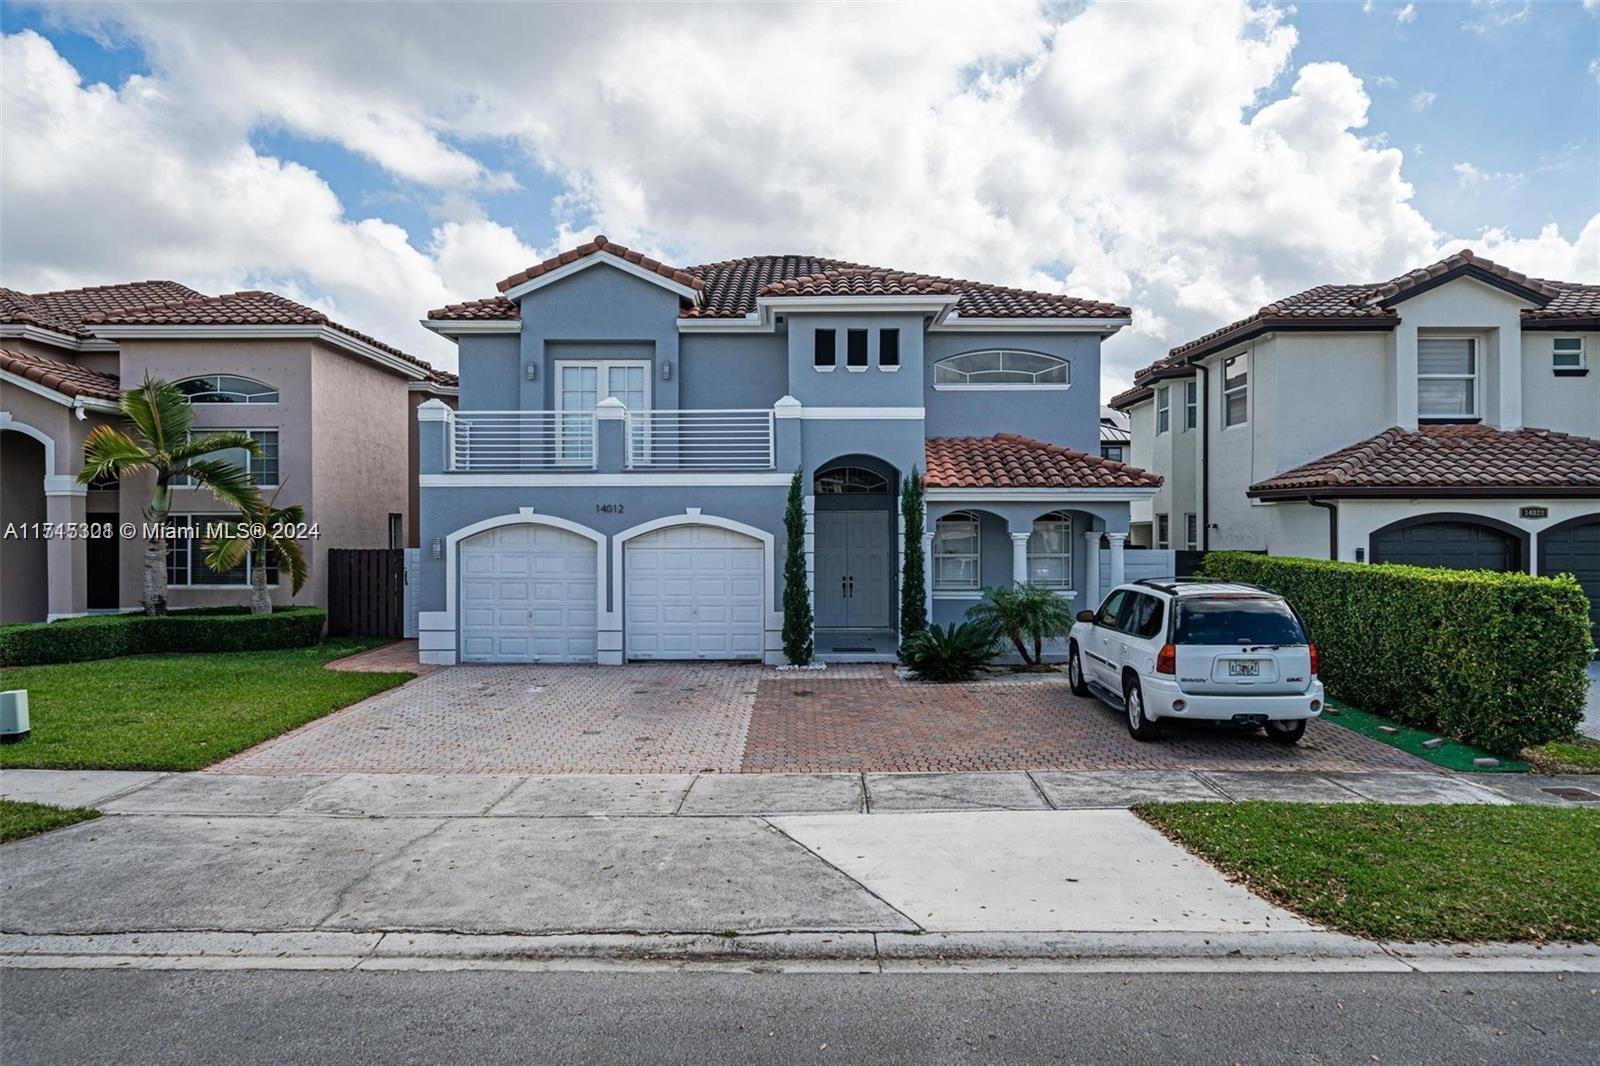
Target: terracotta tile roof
249, 308
731, 286
1007, 460
69, 379
1454, 264
1441, 460
1573, 304
859, 283
1128, 397
65, 310
598, 244
492, 309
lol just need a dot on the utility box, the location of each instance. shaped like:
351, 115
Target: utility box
13, 716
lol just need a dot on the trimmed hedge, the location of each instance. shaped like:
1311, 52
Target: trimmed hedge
202, 629
1497, 660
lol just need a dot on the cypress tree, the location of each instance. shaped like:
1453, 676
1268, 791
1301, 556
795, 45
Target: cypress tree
798, 638
913, 580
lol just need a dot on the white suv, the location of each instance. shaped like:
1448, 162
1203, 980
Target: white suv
1195, 650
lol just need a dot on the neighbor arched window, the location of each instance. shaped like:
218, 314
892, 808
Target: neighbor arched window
1001, 368
955, 553
227, 388
1050, 551
851, 481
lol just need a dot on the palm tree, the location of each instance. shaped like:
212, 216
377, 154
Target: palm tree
1023, 613
261, 535
165, 445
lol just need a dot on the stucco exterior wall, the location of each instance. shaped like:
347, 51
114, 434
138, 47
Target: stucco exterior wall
490, 369
1569, 403
739, 371
1070, 418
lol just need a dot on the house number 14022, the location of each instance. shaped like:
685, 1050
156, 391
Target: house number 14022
608, 508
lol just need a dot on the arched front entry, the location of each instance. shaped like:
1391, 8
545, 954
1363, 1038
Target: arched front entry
856, 543
24, 462
1454, 541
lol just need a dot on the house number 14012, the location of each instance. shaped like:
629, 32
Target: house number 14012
608, 508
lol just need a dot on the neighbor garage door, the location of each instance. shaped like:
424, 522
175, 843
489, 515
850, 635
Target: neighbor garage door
694, 592
528, 595
1575, 549
1451, 543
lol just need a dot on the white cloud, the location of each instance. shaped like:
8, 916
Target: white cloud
1469, 176
1384, 81
1491, 16
1406, 14
1170, 158
1423, 100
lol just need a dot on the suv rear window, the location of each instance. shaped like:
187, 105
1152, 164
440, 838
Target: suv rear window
1253, 620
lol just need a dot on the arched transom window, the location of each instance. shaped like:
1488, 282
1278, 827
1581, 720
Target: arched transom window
1001, 368
227, 388
1050, 551
851, 481
955, 553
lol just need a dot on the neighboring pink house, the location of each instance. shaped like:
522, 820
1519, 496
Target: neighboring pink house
331, 408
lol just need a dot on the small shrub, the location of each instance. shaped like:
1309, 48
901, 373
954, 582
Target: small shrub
1497, 660
212, 629
949, 653
1025, 615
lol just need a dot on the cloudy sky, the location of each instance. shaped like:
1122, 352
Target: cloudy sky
1193, 161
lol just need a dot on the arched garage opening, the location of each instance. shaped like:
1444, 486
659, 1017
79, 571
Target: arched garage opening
529, 589
694, 587
1451, 540
1573, 547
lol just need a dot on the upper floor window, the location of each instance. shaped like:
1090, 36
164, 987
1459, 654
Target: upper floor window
1236, 390
1163, 531
1117, 452
888, 348
1163, 410
855, 349
1447, 377
1568, 354
1050, 551
263, 468
851, 481
955, 553
1001, 369
1191, 404
226, 388
825, 350
1191, 531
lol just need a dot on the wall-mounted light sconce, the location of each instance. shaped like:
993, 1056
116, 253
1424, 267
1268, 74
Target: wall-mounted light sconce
437, 548
666, 370
533, 370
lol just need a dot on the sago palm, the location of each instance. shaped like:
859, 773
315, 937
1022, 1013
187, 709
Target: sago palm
164, 444
264, 536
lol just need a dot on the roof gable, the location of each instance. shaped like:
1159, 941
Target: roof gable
594, 253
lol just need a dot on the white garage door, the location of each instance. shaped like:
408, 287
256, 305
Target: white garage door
694, 592
528, 595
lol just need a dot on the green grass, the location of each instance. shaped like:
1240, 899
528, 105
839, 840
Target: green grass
1452, 755
1580, 755
1397, 872
18, 820
179, 712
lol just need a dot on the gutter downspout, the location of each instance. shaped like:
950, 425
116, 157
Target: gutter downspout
1205, 458
1332, 508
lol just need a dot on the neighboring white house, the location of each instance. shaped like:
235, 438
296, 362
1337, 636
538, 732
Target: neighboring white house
1446, 417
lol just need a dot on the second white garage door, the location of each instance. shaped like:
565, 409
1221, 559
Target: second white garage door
694, 592
528, 596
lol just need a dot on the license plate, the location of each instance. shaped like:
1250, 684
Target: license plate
1244, 669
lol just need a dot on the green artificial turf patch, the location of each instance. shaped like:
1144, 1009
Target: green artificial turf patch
18, 820
1452, 755
179, 712
1399, 872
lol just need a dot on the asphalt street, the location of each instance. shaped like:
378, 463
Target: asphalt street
129, 1017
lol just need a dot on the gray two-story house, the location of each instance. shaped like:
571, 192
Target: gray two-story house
613, 485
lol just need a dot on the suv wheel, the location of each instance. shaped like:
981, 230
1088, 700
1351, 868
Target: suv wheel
1287, 732
1139, 727
1080, 687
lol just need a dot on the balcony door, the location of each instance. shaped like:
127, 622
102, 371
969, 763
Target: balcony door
580, 386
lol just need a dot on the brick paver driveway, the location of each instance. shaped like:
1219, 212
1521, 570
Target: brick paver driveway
686, 718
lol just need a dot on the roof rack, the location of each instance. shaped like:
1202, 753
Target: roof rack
1171, 585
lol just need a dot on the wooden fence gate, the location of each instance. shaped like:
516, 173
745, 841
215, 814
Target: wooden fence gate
366, 592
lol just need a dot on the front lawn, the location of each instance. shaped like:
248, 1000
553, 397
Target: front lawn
1396, 872
1580, 755
18, 820
179, 712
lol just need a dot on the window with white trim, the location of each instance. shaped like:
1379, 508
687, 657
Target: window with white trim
1001, 369
1050, 551
1236, 390
1567, 354
955, 553
186, 554
1191, 404
824, 349
855, 349
1447, 377
263, 468
580, 386
1163, 410
889, 348
1163, 531
1191, 531
226, 388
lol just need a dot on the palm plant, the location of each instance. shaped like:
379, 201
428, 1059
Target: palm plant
1024, 614
265, 537
165, 445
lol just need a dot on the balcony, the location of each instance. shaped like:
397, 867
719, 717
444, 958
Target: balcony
514, 441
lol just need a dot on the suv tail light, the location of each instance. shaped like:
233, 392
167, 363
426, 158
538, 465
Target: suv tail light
1314, 671
1167, 659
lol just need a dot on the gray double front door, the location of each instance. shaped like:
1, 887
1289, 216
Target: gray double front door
853, 553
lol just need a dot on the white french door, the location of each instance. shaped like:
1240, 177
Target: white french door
580, 386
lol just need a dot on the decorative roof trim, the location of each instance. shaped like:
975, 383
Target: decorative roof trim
1473, 272
599, 257
455, 327
326, 334
1033, 495
754, 322
1417, 492
954, 322
28, 331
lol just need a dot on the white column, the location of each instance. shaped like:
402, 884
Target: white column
927, 570
1091, 571
1116, 540
66, 559
1019, 558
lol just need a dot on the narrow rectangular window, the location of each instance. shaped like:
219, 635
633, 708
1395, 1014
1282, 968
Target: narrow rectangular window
1191, 532
1163, 410
888, 347
1163, 531
397, 530
826, 353
1191, 404
1447, 377
855, 354
1236, 390
1567, 354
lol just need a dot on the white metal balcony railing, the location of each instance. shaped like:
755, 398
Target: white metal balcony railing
729, 439
522, 440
